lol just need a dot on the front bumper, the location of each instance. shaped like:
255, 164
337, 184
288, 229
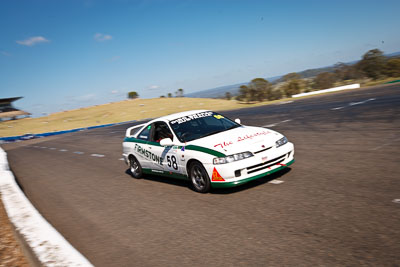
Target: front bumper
253, 168
246, 180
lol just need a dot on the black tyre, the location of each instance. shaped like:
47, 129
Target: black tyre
199, 178
135, 168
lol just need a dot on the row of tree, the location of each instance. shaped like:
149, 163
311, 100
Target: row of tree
373, 65
178, 93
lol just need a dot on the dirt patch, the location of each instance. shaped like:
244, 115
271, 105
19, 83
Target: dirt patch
10, 250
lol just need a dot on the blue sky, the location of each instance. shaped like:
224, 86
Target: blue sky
61, 55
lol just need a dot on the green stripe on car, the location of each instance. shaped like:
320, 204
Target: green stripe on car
189, 147
205, 150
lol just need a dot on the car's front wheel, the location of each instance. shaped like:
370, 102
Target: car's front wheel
135, 168
199, 178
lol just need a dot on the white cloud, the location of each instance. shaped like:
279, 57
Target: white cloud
33, 41
114, 92
153, 87
99, 37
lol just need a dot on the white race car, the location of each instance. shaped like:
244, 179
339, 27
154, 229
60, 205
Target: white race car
206, 148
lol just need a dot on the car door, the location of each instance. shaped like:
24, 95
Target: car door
169, 155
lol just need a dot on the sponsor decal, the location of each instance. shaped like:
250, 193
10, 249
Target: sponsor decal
148, 154
191, 117
216, 176
242, 138
218, 117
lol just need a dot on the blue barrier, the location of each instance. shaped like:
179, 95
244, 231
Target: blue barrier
32, 136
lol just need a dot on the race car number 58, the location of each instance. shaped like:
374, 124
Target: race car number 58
172, 162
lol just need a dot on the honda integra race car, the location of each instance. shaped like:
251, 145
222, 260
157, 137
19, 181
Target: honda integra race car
206, 148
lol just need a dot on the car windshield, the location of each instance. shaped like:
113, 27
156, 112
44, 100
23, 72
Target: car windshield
199, 125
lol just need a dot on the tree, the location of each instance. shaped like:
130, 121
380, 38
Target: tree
179, 93
228, 96
162, 96
260, 89
292, 88
169, 95
324, 80
243, 93
392, 68
275, 94
133, 95
347, 72
372, 64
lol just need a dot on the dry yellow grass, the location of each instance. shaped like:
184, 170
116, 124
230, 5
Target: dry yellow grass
127, 110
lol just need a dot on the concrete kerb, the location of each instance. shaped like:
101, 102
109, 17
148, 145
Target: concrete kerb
48, 246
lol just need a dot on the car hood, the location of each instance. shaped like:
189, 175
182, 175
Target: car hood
241, 139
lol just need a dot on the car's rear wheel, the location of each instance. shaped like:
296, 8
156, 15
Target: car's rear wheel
199, 178
135, 168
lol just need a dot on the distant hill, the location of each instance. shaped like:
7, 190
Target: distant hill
395, 54
219, 92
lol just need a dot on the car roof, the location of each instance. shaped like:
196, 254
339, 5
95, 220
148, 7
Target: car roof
180, 114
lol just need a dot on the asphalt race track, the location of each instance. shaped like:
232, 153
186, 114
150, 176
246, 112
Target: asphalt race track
337, 205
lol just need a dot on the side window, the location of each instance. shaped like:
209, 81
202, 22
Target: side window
145, 134
161, 131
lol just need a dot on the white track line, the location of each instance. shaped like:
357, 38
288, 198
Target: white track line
49, 246
362, 102
274, 124
276, 181
285, 102
354, 103
97, 155
337, 108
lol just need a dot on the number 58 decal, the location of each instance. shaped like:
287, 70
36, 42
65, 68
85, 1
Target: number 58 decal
171, 160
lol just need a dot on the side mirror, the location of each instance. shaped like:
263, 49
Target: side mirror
166, 142
238, 121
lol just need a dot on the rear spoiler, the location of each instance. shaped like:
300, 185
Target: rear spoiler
129, 130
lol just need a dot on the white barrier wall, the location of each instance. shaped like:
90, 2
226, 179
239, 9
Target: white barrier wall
340, 88
49, 247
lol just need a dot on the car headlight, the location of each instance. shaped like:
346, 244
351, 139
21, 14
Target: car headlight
281, 141
232, 158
